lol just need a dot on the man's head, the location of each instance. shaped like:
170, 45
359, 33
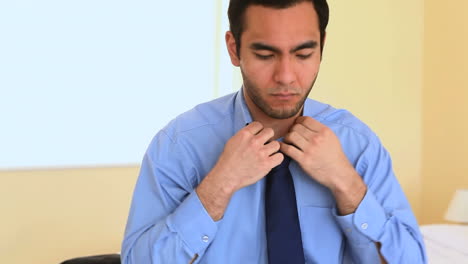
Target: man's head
237, 8
278, 46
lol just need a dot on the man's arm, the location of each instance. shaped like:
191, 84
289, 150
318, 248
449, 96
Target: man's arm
247, 158
348, 197
360, 214
165, 196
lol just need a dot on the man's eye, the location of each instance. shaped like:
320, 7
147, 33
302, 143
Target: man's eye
304, 56
264, 57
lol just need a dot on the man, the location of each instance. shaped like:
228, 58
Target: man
207, 193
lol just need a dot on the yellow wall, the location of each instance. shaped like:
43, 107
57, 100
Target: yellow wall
373, 66
445, 105
50, 216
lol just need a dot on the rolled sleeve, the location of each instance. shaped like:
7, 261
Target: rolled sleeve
366, 225
193, 224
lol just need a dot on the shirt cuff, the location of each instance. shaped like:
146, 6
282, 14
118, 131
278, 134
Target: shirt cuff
193, 224
366, 224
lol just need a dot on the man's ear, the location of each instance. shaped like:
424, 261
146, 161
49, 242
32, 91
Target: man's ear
232, 49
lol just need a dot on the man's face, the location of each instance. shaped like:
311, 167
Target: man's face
279, 57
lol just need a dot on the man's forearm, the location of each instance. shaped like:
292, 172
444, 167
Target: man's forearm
214, 195
348, 195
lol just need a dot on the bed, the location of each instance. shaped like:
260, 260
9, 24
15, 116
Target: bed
446, 243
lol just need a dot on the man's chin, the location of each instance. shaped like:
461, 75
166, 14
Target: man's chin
282, 113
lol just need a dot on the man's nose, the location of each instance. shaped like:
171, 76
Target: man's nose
284, 72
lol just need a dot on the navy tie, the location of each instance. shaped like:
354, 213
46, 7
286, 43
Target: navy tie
283, 232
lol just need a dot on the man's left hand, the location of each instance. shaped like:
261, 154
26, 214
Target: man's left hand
317, 149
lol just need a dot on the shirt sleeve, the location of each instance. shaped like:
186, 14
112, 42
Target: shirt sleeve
384, 215
167, 222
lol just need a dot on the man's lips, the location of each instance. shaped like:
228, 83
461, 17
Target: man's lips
284, 96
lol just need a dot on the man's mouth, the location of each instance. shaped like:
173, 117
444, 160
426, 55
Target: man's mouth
284, 96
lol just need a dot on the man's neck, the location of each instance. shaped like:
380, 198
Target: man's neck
280, 126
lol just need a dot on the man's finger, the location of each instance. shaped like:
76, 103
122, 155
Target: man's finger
309, 123
254, 127
265, 135
272, 147
276, 159
296, 139
291, 151
302, 130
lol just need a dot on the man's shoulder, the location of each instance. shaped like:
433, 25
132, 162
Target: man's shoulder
203, 115
336, 118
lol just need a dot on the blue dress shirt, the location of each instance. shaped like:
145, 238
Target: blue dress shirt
167, 222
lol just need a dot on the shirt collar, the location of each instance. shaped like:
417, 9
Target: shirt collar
242, 112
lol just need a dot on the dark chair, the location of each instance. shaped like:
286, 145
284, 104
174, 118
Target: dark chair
99, 259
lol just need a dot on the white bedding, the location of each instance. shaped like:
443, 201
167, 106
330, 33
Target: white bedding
446, 243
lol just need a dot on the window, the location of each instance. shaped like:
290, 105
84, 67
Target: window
89, 83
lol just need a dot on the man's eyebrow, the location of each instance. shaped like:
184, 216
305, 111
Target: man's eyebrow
308, 45
261, 46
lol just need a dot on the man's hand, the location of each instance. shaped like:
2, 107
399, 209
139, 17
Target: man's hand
247, 158
318, 151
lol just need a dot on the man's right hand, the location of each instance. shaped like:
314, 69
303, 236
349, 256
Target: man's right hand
247, 158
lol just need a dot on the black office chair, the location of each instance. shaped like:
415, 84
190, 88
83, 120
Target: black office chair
99, 259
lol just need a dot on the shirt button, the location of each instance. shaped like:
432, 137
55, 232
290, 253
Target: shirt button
205, 239
364, 226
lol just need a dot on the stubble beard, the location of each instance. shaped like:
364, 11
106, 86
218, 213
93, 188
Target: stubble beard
282, 113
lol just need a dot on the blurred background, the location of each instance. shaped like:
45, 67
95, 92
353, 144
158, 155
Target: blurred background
85, 85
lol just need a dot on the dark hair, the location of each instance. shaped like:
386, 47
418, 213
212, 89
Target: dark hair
236, 14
